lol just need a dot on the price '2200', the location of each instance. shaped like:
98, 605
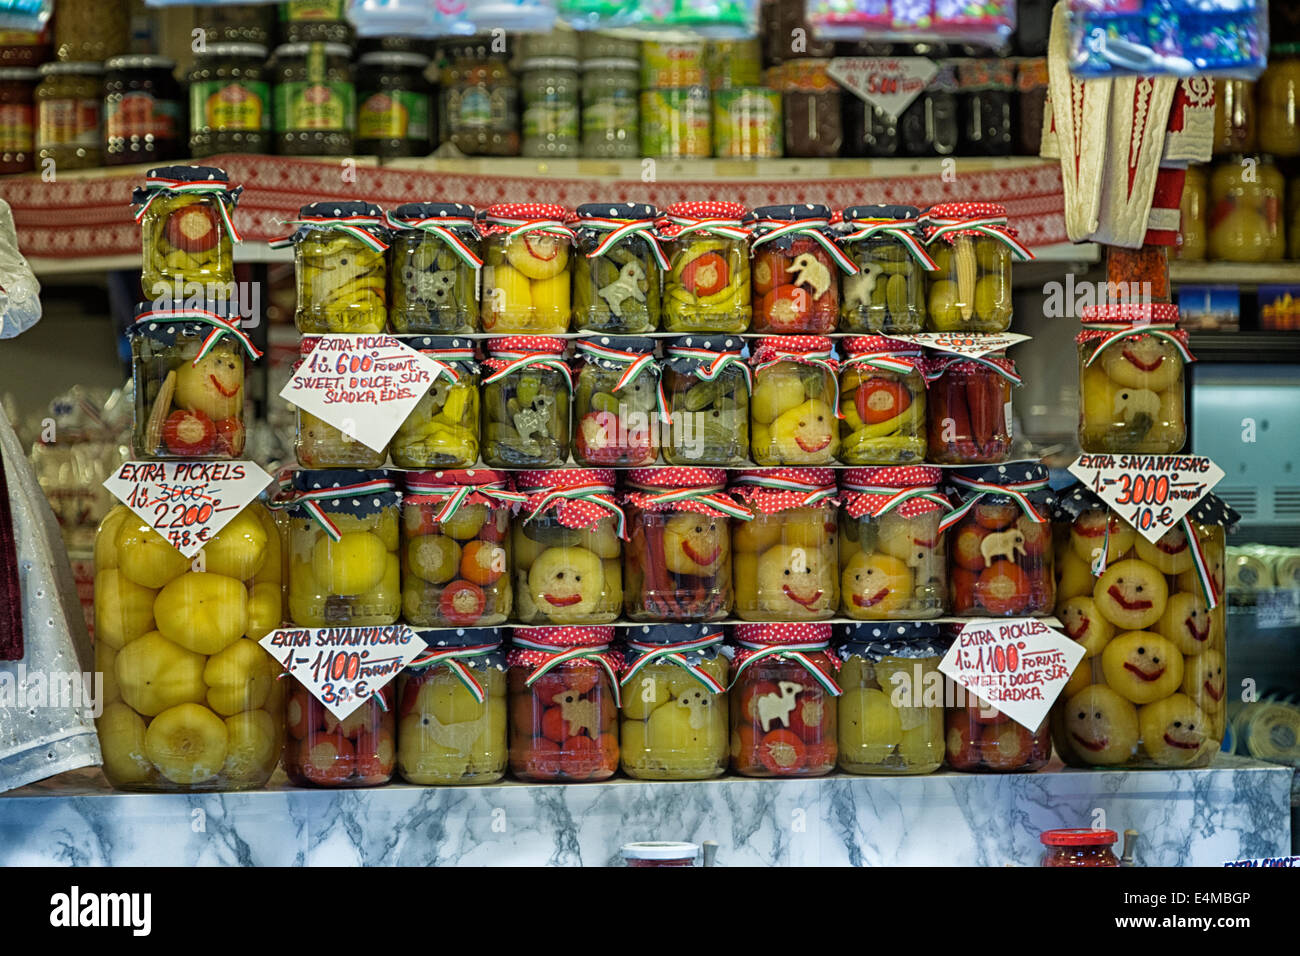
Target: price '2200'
182, 516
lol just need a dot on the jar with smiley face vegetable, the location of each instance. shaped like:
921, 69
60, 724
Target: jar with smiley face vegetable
563, 685
979, 738
973, 248
674, 721
340, 260
785, 562
882, 401
795, 269
618, 403
567, 547
442, 430
185, 218
618, 268
794, 406
887, 293
190, 699
893, 561
455, 549
1151, 690
706, 387
1131, 360
891, 711
526, 393
969, 414
318, 444
451, 712
323, 749
784, 693
527, 268
433, 267
344, 568
1000, 553
678, 559
187, 367
707, 284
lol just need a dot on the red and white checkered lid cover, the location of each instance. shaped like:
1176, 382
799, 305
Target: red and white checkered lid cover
308, 343
937, 363
964, 210
783, 633
878, 344
858, 503
766, 500
522, 210
706, 480
699, 209
572, 512
563, 638
1122, 315
790, 346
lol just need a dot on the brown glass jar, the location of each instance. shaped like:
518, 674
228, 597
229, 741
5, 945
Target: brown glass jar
18, 119
143, 110
91, 30
394, 105
1234, 117
68, 102
1031, 104
230, 100
480, 105
315, 100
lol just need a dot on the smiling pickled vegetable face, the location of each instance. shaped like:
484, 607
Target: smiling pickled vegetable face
876, 585
566, 583
1206, 680
1141, 666
1142, 361
1102, 725
1131, 594
695, 544
214, 385
1173, 730
794, 581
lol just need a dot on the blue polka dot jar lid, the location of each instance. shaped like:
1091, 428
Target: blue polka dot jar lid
472, 646
345, 491
696, 642
1024, 481
876, 640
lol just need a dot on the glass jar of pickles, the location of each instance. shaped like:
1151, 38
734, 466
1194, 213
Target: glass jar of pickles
979, 738
882, 402
973, 248
707, 285
783, 701
1193, 238
616, 280
526, 396
342, 273
442, 430
678, 559
891, 710
1278, 99
786, 560
322, 749
433, 266
795, 405
564, 699
706, 388
1235, 128
187, 366
191, 701
887, 293
1131, 360
184, 214
999, 541
795, 269
1151, 690
969, 418
526, 251
674, 722
568, 548
1246, 196
344, 569
317, 443
893, 557
618, 402
456, 548
451, 715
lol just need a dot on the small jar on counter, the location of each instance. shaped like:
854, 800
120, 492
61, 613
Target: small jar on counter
18, 119
480, 101
969, 418
187, 231
433, 268
143, 110
394, 105
230, 100
616, 276
796, 269
707, 285
1246, 203
617, 403
527, 391
551, 92
795, 404
971, 289
442, 430
69, 100
315, 99
1081, 847
810, 108
527, 269
610, 109
324, 750
339, 251
882, 402
706, 389
887, 293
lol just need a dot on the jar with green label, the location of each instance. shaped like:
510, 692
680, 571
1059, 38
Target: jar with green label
480, 101
314, 21
675, 123
394, 105
315, 100
550, 92
747, 123
230, 100
609, 109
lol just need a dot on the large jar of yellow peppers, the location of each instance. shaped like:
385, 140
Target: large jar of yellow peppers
185, 217
973, 248
340, 257
706, 287
882, 402
617, 272
318, 444
887, 293
442, 430
795, 404
433, 268
527, 259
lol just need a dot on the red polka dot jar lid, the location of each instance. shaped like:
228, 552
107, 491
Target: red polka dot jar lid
934, 365
702, 219
796, 348
547, 478
806, 633
580, 497
568, 635
908, 490
308, 343
523, 351
502, 218
804, 644
699, 490
1136, 321
576, 645
482, 486
977, 220
772, 490
878, 344
966, 210
525, 343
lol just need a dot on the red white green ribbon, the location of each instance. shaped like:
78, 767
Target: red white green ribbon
453, 658
620, 229
221, 326
457, 495
813, 494
1099, 562
309, 501
1159, 330
204, 187
518, 361
636, 362
358, 227
444, 228
675, 654
1201, 565
710, 496
936, 371
1018, 491
898, 496
883, 362
798, 653
823, 360
443, 359
597, 494
522, 227
902, 230
810, 228
719, 228
712, 364
557, 657
994, 227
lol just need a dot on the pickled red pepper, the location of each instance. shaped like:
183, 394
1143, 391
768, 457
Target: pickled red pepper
970, 402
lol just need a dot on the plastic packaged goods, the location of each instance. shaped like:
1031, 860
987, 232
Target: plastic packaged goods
786, 560
1131, 360
706, 389
344, 569
525, 16
810, 108
315, 99
564, 700
783, 701
1151, 690
887, 293
433, 267
451, 715
674, 720
618, 402
610, 108
18, 119
882, 402
314, 21
1278, 103
986, 106
339, 260
394, 104
973, 247
191, 702
980, 24
318, 444
526, 394
1193, 228
979, 738
999, 541
1246, 203
91, 30
323, 751
794, 408
891, 708
526, 251
676, 123
617, 276
707, 285
69, 100
480, 100
551, 93
678, 559
230, 100
188, 374
796, 269
568, 547
143, 110
187, 231
893, 556
1081, 847
442, 430
969, 413
1235, 128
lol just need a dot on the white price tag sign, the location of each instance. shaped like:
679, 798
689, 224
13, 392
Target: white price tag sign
1150, 492
344, 666
1019, 665
962, 343
363, 385
187, 502
889, 83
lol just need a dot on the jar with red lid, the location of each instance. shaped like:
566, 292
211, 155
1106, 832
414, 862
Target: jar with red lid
526, 392
887, 293
706, 388
456, 548
325, 750
442, 430
659, 854
784, 693
785, 561
882, 402
568, 547
1000, 541
1079, 847
618, 402
616, 278
811, 107
317, 443
973, 247
969, 417
796, 269
526, 268
564, 700
893, 561
18, 119
707, 284
678, 559
794, 409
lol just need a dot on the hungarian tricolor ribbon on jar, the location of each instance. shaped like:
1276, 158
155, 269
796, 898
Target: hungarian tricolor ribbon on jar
680, 645
443, 351
972, 490
796, 643
621, 223
770, 490
912, 489
221, 325
453, 225
816, 350
546, 648
456, 649
818, 229
708, 364
722, 220
502, 219
906, 232
368, 228
452, 490
1107, 324
636, 364
934, 367
515, 353
309, 490
952, 220
190, 181
885, 354
581, 497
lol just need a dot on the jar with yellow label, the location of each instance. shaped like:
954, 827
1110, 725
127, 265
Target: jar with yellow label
394, 104
230, 100
69, 100
442, 430
314, 21
1193, 231
185, 220
1246, 194
527, 269
339, 260
1278, 101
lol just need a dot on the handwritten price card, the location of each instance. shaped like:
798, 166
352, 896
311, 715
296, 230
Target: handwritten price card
890, 83
187, 502
344, 666
1019, 665
962, 343
363, 385
1150, 492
